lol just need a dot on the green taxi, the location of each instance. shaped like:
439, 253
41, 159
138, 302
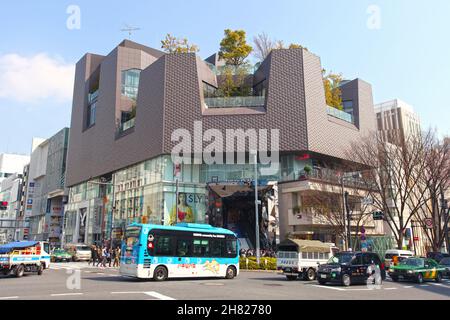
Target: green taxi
417, 269
60, 255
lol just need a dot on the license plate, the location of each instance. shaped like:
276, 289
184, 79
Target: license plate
323, 276
287, 270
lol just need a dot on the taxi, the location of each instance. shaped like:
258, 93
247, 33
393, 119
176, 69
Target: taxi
417, 269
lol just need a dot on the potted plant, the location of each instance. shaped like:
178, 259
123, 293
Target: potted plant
307, 169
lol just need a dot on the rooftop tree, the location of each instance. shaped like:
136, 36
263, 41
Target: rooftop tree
173, 44
234, 48
333, 94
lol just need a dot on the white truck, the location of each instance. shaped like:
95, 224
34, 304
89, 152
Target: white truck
24, 256
302, 257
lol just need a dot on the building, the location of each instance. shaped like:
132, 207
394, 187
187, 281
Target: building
128, 104
12, 163
396, 118
46, 192
11, 191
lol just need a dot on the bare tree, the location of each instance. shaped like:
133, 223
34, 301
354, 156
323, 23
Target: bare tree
263, 46
435, 182
394, 171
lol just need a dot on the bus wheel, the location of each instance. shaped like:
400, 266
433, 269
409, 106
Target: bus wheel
160, 274
40, 270
20, 270
231, 273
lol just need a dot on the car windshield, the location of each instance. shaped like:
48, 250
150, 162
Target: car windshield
83, 248
341, 258
59, 251
414, 262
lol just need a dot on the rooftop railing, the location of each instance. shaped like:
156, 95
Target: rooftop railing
127, 125
340, 114
234, 102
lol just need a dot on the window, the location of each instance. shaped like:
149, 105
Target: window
356, 260
260, 88
183, 247
348, 106
163, 246
201, 248
231, 248
209, 91
91, 111
130, 83
217, 248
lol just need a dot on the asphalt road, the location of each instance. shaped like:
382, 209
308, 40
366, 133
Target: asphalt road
78, 281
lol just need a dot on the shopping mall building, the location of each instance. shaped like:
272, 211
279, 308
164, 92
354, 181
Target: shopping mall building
129, 105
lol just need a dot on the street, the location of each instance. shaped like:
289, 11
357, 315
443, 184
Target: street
60, 283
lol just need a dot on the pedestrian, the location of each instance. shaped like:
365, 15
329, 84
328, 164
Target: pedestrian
116, 257
93, 255
109, 256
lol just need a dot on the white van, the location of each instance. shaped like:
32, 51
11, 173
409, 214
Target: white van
390, 255
79, 251
302, 257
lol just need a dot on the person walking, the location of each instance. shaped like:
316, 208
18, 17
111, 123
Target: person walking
109, 256
93, 255
116, 257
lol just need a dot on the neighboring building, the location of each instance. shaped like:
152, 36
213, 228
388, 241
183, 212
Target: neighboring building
12, 163
11, 191
46, 193
396, 118
127, 104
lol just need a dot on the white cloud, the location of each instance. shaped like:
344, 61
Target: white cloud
35, 78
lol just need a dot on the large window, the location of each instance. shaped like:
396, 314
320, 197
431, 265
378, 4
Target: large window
201, 248
163, 246
91, 111
130, 83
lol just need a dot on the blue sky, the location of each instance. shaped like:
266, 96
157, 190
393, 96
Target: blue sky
407, 57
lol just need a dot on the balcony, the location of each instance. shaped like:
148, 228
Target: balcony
340, 114
235, 102
127, 125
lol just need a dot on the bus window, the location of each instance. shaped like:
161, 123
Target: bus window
201, 248
216, 248
231, 248
183, 247
163, 246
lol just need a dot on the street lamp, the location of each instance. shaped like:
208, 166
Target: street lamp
255, 155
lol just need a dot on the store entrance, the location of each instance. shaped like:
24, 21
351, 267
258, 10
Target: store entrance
233, 207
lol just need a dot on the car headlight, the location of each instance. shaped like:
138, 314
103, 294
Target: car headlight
336, 269
410, 271
391, 270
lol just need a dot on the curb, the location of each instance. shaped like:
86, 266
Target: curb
267, 271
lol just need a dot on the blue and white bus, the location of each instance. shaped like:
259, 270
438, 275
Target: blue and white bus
181, 251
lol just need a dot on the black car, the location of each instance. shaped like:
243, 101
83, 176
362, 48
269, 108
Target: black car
446, 264
351, 267
437, 256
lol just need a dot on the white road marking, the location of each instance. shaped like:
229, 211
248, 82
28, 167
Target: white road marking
390, 288
158, 295
326, 287
126, 292
424, 285
408, 287
66, 294
437, 284
7, 298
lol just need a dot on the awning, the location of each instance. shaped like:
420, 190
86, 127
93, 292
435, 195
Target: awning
17, 246
307, 245
236, 190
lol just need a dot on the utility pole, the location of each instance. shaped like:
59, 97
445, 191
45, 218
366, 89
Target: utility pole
347, 212
345, 244
445, 214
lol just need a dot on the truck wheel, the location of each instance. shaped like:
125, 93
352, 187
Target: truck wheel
291, 278
310, 274
20, 270
40, 270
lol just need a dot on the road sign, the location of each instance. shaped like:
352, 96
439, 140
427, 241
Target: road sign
378, 215
428, 223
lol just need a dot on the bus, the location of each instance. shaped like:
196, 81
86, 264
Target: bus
181, 251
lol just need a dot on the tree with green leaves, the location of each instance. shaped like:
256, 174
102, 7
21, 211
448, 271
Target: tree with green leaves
234, 48
173, 44
333, 93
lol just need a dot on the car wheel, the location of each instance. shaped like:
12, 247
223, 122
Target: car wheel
311, 274
231, 273
394, 278
160, 274
346, 281
291, 278
20, 270
419, 278
438, 277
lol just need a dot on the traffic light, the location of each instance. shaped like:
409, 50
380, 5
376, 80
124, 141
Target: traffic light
3, 205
